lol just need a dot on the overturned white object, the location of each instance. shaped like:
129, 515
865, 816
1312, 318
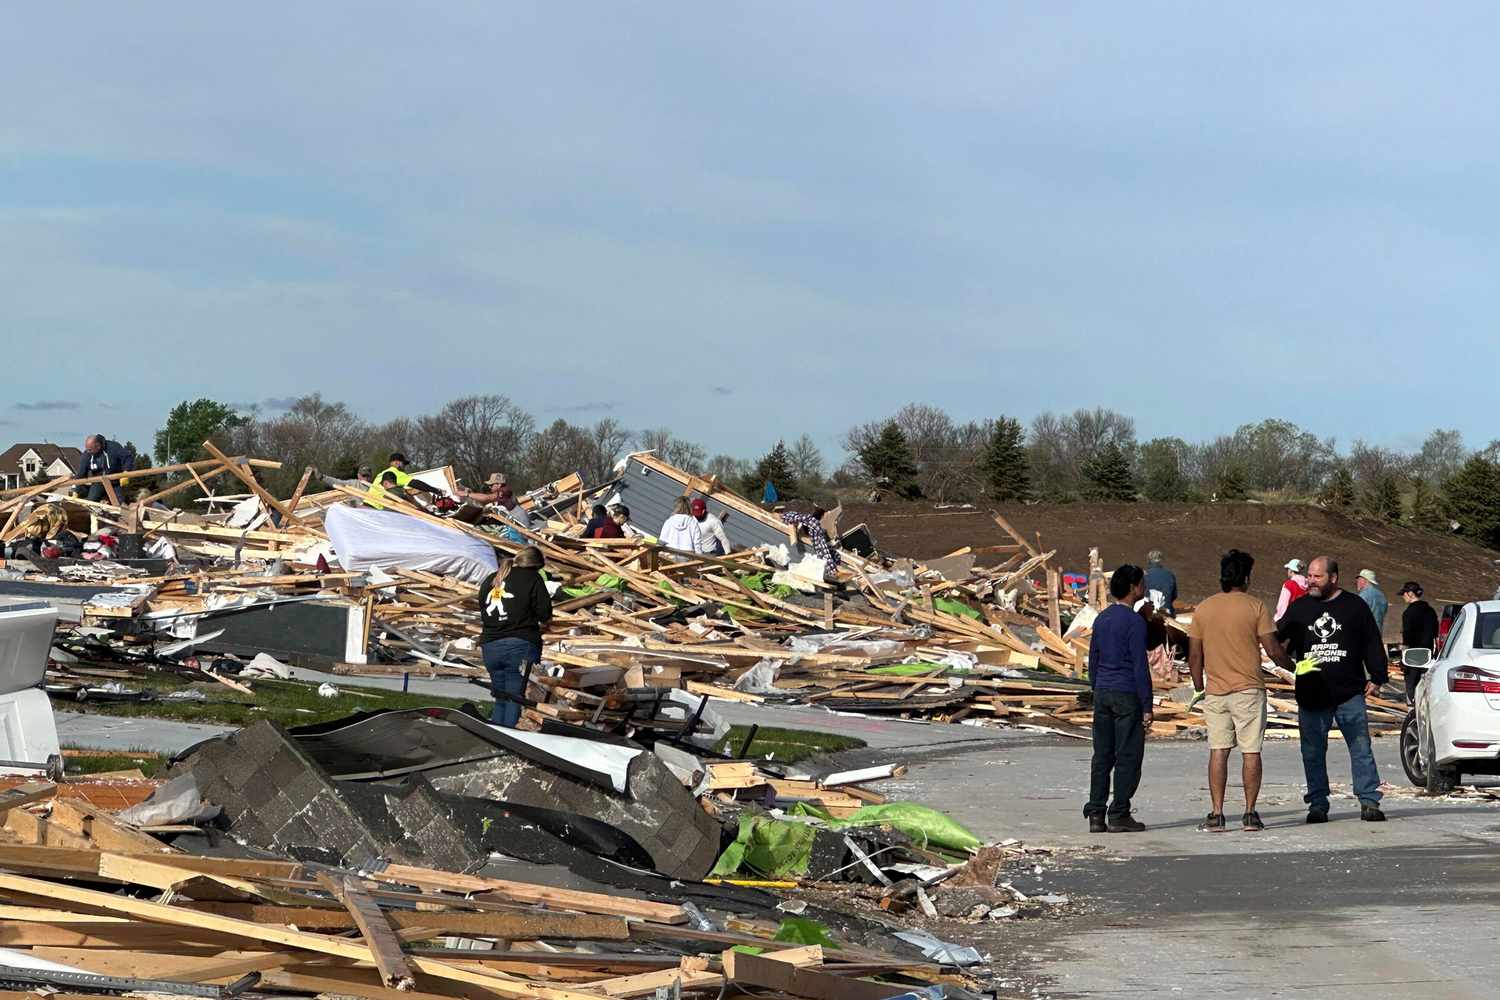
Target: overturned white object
28, 732
365, 538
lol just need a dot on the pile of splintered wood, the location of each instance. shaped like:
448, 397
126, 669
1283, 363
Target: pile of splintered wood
104, 899
943, 640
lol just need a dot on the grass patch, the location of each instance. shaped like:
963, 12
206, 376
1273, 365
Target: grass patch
291, 703
786, 746
75, 765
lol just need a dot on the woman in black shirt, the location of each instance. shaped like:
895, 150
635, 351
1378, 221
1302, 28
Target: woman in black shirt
514, 606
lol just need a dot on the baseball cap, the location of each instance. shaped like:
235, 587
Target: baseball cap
1369, 574
698, 507
1295, 565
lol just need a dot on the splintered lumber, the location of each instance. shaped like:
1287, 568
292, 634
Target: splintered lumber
324, 945
106, 832
373, 928
25, 795
526, 892
541, 924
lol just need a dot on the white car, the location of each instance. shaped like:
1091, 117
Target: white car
1453, 728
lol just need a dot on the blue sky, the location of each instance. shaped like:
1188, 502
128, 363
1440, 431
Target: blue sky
746, 223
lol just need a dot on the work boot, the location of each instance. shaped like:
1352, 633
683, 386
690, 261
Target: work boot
1371, 814
1251, 821
1126, 824
1213, 824
1097, 825
1317, 815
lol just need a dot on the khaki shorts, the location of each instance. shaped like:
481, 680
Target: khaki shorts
1237, 719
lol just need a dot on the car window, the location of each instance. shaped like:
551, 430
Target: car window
1487, 630
1455, 634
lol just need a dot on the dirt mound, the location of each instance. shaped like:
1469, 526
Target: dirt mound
1194, 536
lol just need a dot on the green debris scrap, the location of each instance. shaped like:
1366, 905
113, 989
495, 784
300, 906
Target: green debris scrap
924, 825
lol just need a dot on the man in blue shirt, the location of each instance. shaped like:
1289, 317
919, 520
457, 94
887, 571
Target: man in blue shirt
1373, 596
1161, 583
1122, 704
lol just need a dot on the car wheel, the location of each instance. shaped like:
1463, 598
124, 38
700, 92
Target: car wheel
1440, 780
1411, 759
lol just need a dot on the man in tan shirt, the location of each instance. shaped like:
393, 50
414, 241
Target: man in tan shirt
1226, 637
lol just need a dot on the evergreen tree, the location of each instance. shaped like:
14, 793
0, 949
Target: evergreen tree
1005, 463
775, 466
1338, 492
1471, 496
1383, 500
887, 460
1426, 508
1231, 484
1107, 476
1161, 471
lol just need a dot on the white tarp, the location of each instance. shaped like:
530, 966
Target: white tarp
365, 538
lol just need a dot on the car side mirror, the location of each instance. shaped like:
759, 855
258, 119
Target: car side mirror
1416, 657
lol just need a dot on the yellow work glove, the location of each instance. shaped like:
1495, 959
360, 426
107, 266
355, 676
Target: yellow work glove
1308, 666
1197, 699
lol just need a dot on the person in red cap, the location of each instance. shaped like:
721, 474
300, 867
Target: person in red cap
712, 541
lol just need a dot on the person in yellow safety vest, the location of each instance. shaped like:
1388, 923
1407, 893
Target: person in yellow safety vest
386, 484
397, 467
405, 480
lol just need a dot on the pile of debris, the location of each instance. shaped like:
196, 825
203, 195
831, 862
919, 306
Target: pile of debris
426, 851
640, 636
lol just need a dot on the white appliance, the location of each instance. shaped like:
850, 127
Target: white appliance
28, 731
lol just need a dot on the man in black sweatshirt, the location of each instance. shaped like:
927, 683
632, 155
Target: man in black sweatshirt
1334, 639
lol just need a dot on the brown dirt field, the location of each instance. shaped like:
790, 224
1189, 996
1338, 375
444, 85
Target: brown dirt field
1193, 537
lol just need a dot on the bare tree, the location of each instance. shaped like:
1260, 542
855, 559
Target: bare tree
807, 461
1442, 454
730, 470
478, 435
1371, 465
686, 455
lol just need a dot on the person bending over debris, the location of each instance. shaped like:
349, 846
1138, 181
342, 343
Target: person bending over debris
514, 607
620, 515
679, 531
1333, 637
1225, 639
498, 488
1121, 683
1161, 583
597, 516
812, 526
101, 457
404, 479
711, 538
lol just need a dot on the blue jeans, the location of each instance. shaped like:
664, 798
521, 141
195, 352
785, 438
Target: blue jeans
1313, 725
505, 659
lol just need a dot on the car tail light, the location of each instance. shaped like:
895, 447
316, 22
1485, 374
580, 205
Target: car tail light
1470, 744
1473, 680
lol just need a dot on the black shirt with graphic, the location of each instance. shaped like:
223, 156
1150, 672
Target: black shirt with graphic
519, 607
1341, 635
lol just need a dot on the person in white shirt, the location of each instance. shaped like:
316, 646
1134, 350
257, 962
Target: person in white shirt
680, 531
712, 541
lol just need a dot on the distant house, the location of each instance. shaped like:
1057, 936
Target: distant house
25, 463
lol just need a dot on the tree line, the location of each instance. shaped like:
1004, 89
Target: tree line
476, 435
920, 451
